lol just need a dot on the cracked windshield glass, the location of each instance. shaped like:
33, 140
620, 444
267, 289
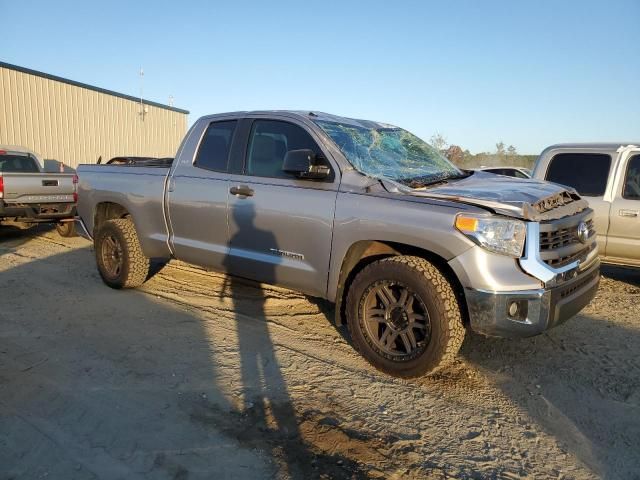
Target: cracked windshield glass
390, 152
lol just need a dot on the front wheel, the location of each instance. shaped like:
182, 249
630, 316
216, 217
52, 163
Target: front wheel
120, 259
404, 317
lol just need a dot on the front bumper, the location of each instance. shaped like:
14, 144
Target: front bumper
537, 310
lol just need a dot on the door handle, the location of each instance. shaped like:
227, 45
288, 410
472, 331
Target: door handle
628, 213
242, 191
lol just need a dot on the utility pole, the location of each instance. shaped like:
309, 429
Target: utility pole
143, 110
142, 114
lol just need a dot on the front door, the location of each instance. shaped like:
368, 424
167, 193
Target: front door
280, 227
623, 244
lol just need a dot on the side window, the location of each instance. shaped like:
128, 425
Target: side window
632, 179
213, 153
269, 142
586, 172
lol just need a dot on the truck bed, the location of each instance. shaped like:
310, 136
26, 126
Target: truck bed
140, 189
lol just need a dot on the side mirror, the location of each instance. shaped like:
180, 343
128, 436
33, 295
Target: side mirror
303, 164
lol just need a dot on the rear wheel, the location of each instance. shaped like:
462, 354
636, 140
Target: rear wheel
404, 317
119, 256
66, 229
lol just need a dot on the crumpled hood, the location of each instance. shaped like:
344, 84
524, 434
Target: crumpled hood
524, 198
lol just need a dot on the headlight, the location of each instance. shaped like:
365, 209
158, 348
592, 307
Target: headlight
500, 235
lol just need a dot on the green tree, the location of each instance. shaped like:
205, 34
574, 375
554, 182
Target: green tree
439, 142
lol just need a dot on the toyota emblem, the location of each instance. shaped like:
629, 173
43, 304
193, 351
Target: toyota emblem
583, 232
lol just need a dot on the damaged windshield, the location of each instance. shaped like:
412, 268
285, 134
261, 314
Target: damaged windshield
390, 152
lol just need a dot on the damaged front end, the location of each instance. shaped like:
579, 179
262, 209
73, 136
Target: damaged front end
530, 200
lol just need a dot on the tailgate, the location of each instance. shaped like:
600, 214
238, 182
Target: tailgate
38, 187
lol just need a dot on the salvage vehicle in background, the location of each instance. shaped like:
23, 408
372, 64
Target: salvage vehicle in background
28, 194
607, 175
517, 172
411, 249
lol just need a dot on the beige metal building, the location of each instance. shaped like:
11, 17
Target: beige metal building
76, 123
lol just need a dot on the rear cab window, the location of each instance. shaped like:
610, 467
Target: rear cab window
11, 163
213, 152
587, 173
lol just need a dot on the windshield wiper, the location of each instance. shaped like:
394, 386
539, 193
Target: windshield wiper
420, 182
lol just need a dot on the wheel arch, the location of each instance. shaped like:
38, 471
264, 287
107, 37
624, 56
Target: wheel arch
365, 252
108, 211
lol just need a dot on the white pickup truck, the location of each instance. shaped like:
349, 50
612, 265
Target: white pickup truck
607, 175
29, 194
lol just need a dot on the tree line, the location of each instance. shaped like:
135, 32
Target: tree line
504, 155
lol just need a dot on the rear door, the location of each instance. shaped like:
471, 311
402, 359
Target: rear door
588, 173
623, 243
280, 227
197, 196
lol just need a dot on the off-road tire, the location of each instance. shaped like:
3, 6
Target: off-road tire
437, 295
66, 229
135, 266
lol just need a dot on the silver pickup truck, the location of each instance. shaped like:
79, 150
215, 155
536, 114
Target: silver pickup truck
31, 195
608, 176
411, 249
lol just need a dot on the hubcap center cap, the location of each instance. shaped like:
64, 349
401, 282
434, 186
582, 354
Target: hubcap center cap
398, 318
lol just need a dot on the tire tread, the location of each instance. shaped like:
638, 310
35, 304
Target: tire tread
137, 264
451, 337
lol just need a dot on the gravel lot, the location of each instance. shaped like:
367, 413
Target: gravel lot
200, 376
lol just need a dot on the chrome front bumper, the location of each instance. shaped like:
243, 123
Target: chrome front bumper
536, 311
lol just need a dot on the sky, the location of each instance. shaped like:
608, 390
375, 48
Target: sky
478, 72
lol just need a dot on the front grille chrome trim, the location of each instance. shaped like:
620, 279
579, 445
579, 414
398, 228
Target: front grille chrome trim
533, 263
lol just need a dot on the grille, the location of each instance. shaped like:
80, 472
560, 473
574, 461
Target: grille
578, 285
561, 247
562, 237
567, 259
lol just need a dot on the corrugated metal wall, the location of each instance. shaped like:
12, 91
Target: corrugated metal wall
77, 125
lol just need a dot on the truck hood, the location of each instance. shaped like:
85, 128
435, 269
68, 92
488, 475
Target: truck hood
523, 198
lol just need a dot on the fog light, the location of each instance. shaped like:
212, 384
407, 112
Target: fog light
518, 310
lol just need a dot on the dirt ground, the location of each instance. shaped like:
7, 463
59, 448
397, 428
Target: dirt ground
200, 376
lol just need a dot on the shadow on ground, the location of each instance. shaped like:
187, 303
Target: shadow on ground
129, 387
630, 276
12, 234
114, 384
